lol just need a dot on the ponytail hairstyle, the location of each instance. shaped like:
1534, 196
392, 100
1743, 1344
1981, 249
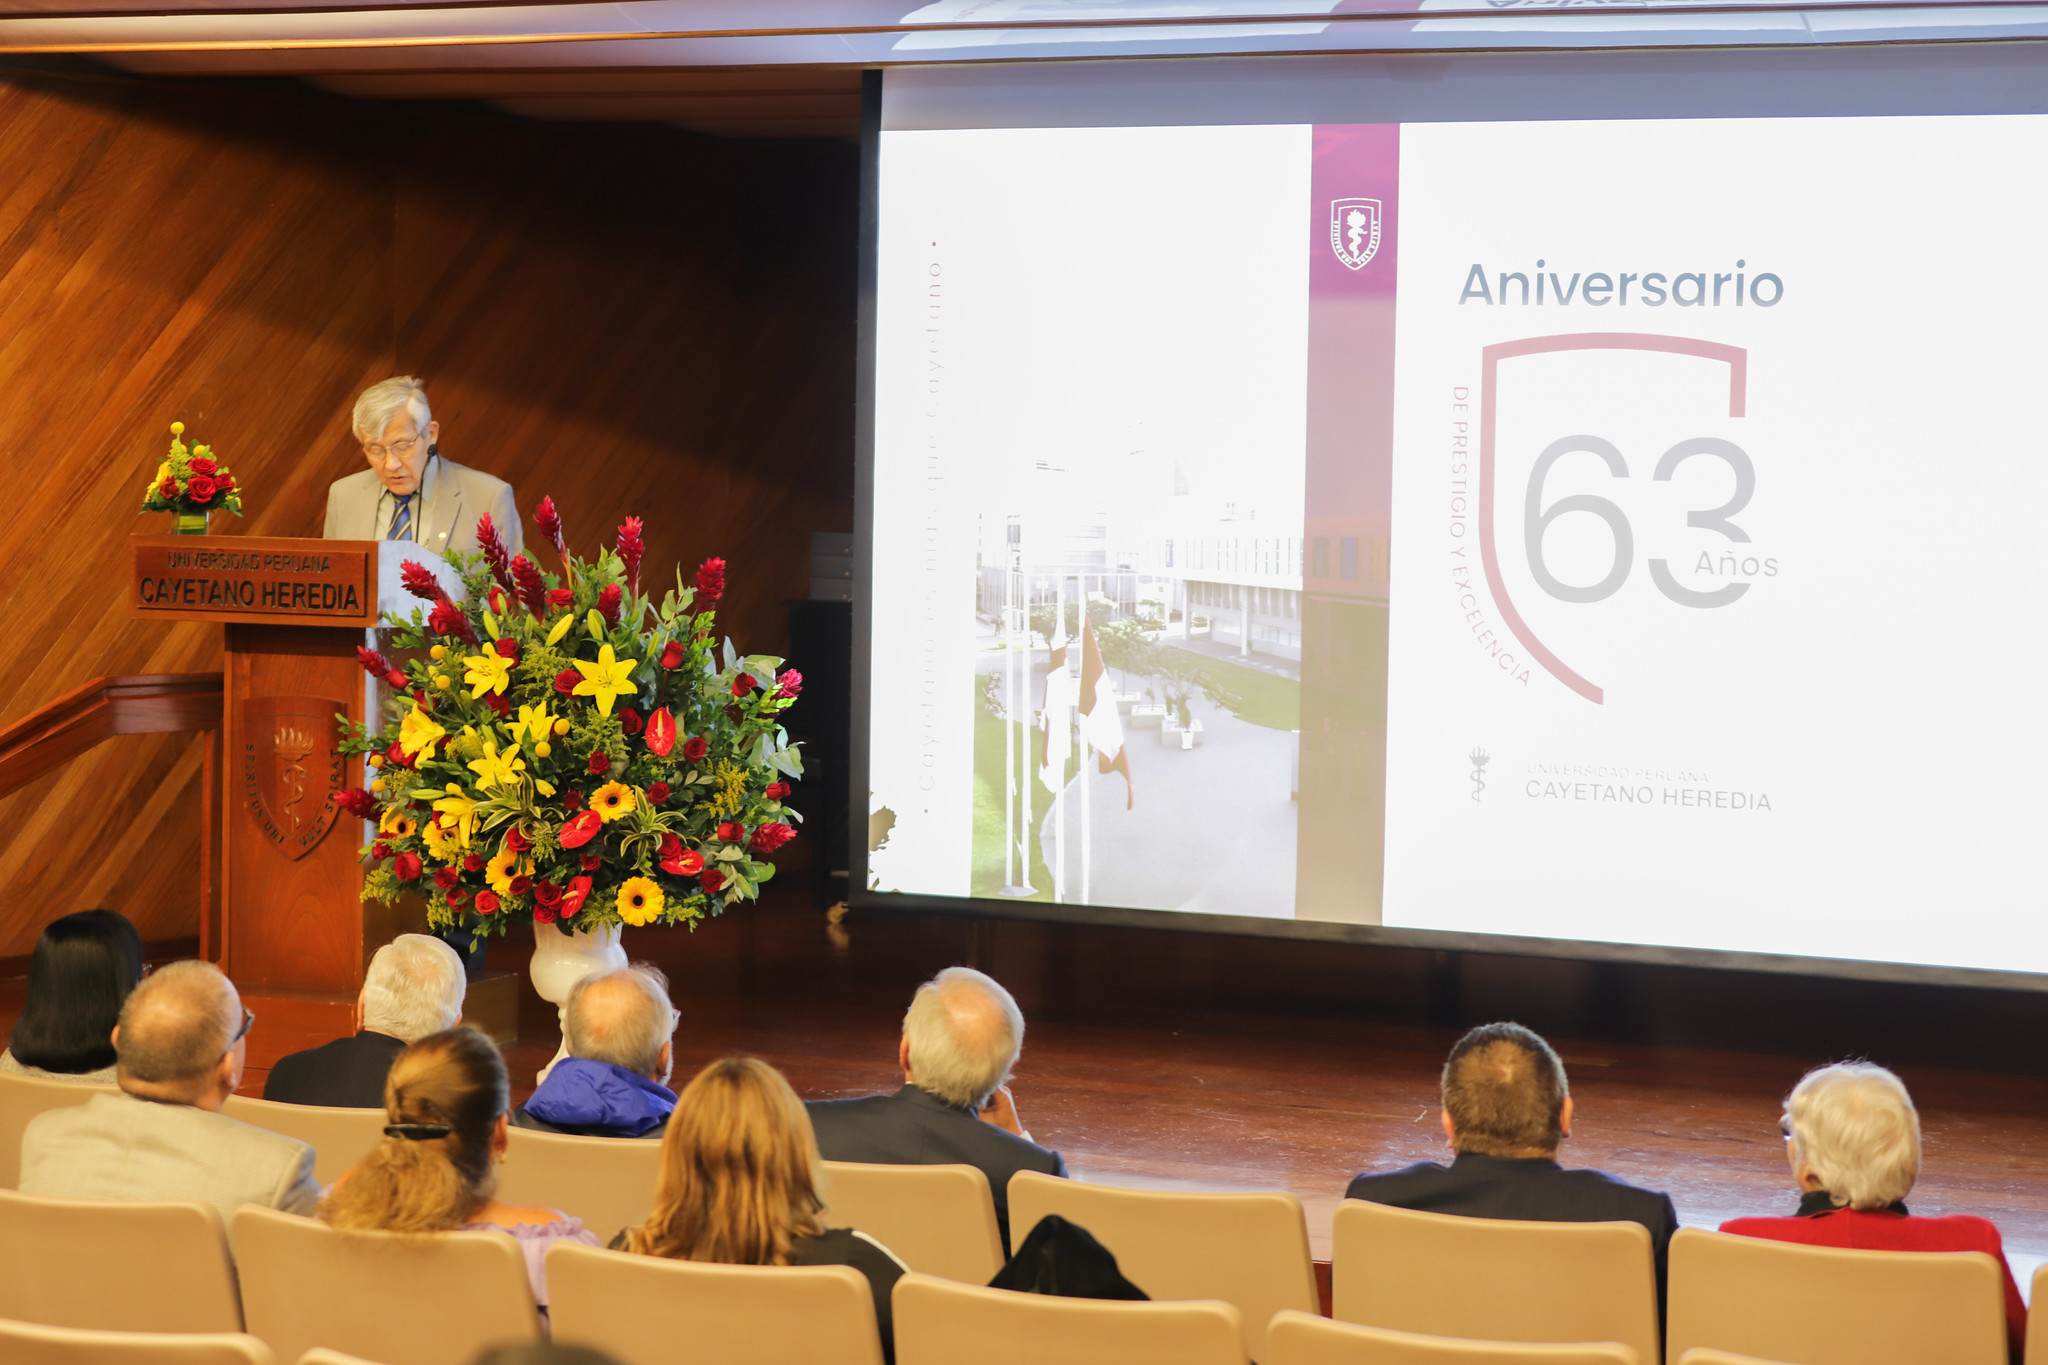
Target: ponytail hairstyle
433, 1169
739, 1163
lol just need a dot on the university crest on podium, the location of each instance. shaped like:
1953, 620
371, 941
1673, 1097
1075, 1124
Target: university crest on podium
289, 765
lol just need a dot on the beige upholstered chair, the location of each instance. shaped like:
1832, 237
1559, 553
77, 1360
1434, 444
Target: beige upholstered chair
2037, 1321
639, 1308
116, 1265
338, 1137
24, 1343
1246, 1249
21, 1099
400, 1300
320, 1355
607, 1182
1824, 1306
1700, 1355
1492, 1279
937, 1219
1304, 1339
943, 1322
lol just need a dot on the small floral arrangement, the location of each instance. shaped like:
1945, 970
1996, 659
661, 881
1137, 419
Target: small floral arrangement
564, 749
191, 481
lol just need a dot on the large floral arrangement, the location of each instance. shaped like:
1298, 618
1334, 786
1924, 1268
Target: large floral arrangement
563, 749
191, 481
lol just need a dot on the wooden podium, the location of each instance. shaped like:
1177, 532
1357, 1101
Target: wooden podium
293, 930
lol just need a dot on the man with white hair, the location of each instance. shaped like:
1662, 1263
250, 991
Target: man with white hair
961, 1039
614, 1082
414, 987
410, 492
180, 1049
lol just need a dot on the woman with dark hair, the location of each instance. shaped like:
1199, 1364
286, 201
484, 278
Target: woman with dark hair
83, 968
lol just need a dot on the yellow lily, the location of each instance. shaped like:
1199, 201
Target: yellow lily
417, 733
495, 771
533, 726
561, 628
606, 679
486, 672
462, 810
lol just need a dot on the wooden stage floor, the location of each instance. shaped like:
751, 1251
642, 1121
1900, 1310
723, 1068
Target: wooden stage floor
1233, 1101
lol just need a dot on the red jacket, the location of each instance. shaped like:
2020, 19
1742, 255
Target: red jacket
1884, 1230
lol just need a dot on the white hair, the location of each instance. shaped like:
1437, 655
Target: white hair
1854, 1127
622, 1017
414, 987
965, 1032
381, 402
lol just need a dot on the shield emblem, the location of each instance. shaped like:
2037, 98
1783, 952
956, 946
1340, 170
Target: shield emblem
1355, 231
289, 765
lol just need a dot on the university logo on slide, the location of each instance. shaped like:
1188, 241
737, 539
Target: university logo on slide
1355, 231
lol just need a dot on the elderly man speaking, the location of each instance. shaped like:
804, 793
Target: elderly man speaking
410, 492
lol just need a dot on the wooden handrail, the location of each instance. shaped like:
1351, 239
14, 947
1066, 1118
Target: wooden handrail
146, 704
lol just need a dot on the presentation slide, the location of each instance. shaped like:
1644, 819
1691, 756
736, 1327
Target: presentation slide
1607, 531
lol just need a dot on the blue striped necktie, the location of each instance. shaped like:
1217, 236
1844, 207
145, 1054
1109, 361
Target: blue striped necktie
401, 520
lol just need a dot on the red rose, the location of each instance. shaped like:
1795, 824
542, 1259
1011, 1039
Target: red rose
573, 898
226, 483
673, 654
473, 863
661, 733
458, 897
546, 914
487, 902
200, 488
776, 791
497, 596
356, 802
770, 837
202, 465
560, 597
566, 680
742, 685
168, 488
600, 764
730, 833
713, 880
694, 748
521, 885
380, 850
515, 842
630, 721
591, 862
581, 829
419, 694
509, 649
788, 685
657, 793
572, 799
396, 679
446, 877
447, 619
547, 894
499, 703
711, 581
609, 599
407, 866
396, 756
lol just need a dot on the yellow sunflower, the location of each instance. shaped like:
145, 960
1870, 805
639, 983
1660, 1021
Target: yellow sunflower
500, 871
441, 841
397, 821
611, 801
640, 901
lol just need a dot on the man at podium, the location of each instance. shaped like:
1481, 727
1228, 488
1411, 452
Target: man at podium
410, 492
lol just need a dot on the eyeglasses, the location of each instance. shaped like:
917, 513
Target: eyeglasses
1785, 1128
399, 448
248, 1020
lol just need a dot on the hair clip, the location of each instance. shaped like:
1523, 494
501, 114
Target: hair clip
417, 1132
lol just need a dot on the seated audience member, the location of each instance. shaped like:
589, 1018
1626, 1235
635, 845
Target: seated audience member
181, 1043
961, 1038
1506, 1109
739, 1186
1852, 1137
414, 987
614, 1082
83, 967
447, 1099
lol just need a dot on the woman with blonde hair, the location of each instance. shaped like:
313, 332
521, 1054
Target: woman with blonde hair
446, 1100
1852, 1137
739, 1185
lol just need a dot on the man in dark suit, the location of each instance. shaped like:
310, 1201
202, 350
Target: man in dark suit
1506, 1109
961, 1038
414, 987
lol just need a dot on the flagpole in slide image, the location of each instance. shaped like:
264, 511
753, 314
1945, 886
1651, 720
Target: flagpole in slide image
1087, 742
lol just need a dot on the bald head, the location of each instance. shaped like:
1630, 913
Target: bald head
1505, 1093
624, 1018
961, 1036
175, 1030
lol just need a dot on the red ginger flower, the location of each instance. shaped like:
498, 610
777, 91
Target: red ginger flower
493, 547
608, 602
356, 802
631, 548
789, 684
711, 581
373, 663
770, 837
448, 619
550, 522
532, 591
420, 581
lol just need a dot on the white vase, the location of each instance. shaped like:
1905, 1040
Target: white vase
560, 961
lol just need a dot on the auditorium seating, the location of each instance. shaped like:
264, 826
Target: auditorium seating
1250, 1250
306, 1285
1824, 1306
1557, 1282
942, 1322
638, 1308
320, 1355
116, 1265
1700, 1355
607, 1182
937, 1219
31, 1344
21, 1099
2037, 1323
339, 1137
1303, 1339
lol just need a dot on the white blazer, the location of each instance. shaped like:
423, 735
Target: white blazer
447, 521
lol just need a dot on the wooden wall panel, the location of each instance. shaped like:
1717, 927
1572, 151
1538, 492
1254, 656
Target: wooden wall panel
632, 319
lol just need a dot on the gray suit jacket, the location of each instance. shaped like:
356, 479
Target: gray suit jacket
447, 522
121, 1147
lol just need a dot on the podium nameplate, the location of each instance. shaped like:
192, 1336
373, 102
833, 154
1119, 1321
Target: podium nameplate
258, 580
